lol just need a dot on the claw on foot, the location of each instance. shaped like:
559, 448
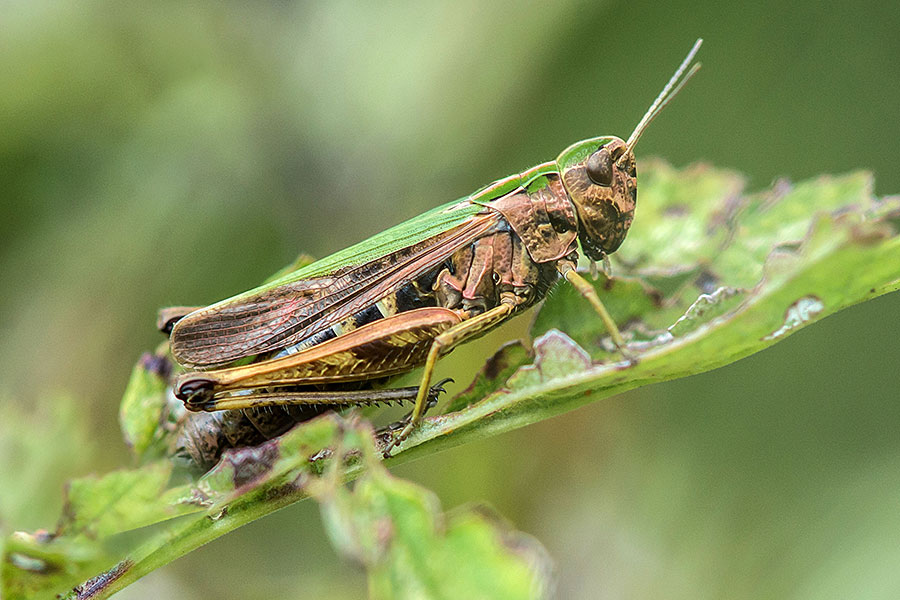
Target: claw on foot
405, 424
630, 359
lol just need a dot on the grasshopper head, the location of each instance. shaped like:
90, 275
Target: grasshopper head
600, 177
601, 180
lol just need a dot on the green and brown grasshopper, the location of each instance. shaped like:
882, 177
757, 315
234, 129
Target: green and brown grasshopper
329, 334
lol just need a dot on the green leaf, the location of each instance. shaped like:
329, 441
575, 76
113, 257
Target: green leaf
708, 274
119, 501
492, 376
143, 411
410, 549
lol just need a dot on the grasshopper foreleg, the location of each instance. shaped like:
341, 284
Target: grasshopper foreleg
567, 270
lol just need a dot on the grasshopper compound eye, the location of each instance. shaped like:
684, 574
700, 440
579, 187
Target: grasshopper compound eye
599, 167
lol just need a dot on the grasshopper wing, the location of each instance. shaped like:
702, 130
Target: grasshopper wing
281, 314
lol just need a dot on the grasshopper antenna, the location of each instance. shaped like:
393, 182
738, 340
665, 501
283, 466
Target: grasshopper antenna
670, 91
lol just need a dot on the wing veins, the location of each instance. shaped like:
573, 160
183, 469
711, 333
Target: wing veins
189, 346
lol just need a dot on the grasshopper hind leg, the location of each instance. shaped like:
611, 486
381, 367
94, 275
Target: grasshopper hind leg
205, 436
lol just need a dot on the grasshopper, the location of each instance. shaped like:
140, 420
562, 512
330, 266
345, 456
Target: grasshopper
328, 334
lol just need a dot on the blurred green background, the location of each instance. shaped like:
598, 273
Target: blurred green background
175, 153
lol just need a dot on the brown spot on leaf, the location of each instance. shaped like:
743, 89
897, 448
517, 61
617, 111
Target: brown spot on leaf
781, 189
250, 463
707, 282
37, 566
798, 314
676, 210
156, 364
726, 214
870, 233
496, 364
43, 536
787, 246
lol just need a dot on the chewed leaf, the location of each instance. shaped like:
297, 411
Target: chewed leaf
493, 375
797, 315
556, 356
252, 469
246, 485
410, 549
705, 308
682, 219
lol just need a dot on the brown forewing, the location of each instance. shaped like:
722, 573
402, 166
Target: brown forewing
284, 315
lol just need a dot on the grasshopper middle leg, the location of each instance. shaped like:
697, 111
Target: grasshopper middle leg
441, 345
